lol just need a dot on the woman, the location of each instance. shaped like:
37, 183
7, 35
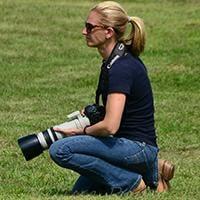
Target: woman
119, 153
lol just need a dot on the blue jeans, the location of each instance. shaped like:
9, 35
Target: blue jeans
107, 164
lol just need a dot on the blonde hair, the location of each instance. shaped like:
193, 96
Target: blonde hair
113, 15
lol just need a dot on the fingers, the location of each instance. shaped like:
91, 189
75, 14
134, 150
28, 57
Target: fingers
57, 129
67, 132
82, 112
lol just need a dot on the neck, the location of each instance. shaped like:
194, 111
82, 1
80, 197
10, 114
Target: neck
106, 49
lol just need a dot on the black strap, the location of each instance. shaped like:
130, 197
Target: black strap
103, 79
118, 51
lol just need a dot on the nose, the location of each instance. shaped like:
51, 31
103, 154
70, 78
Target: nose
84, 32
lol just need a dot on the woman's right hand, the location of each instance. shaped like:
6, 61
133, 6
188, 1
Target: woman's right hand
68, 131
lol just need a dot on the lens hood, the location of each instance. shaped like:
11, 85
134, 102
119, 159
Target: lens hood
30, 146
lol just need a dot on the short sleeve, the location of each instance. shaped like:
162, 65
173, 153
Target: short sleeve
120, 78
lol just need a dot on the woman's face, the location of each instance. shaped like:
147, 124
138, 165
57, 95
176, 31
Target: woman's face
94, 31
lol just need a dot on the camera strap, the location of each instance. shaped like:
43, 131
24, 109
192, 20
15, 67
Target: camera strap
118, 51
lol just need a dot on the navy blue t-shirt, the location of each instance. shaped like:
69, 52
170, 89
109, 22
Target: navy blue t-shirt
128, 75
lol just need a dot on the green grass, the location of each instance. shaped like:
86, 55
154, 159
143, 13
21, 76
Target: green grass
46, 72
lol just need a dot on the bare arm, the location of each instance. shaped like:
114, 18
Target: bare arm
111, 122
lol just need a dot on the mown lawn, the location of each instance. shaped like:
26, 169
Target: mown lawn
47, 71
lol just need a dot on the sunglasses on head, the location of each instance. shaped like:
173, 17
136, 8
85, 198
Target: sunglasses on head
89, 27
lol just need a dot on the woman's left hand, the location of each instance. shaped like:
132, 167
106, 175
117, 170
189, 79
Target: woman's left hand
68, 132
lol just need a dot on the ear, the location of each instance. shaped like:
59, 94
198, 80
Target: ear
109, 32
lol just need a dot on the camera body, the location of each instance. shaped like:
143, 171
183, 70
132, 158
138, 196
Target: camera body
33, 145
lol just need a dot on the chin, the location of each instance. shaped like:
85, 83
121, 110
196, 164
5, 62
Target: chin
90, 44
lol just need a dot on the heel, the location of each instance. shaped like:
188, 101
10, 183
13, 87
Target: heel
163, 186
166, 169
140, 188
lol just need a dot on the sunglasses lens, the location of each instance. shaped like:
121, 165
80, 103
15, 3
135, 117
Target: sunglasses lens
88, 27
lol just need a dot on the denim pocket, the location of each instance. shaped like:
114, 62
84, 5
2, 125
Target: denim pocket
136, 160
151, 153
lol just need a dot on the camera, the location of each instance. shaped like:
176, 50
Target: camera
34, 144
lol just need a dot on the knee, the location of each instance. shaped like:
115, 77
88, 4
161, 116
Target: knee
60, 152
53, 151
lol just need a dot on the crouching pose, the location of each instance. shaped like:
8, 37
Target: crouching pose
119, 153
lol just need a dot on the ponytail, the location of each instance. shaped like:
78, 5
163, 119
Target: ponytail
136, 39
113, 15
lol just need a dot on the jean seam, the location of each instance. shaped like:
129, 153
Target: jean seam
79, 166
151, 167
106, 179
67, 155
136, 154
136, 183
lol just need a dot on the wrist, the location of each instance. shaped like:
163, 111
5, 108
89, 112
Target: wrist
84, 130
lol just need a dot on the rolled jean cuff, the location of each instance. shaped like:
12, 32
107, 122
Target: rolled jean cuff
137, 182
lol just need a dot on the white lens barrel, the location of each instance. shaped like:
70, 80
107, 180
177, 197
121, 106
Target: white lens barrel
79, 122
83, 120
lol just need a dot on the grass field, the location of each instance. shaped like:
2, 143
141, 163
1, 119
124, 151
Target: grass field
47, 71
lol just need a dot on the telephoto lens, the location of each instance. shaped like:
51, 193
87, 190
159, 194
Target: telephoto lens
33, 145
